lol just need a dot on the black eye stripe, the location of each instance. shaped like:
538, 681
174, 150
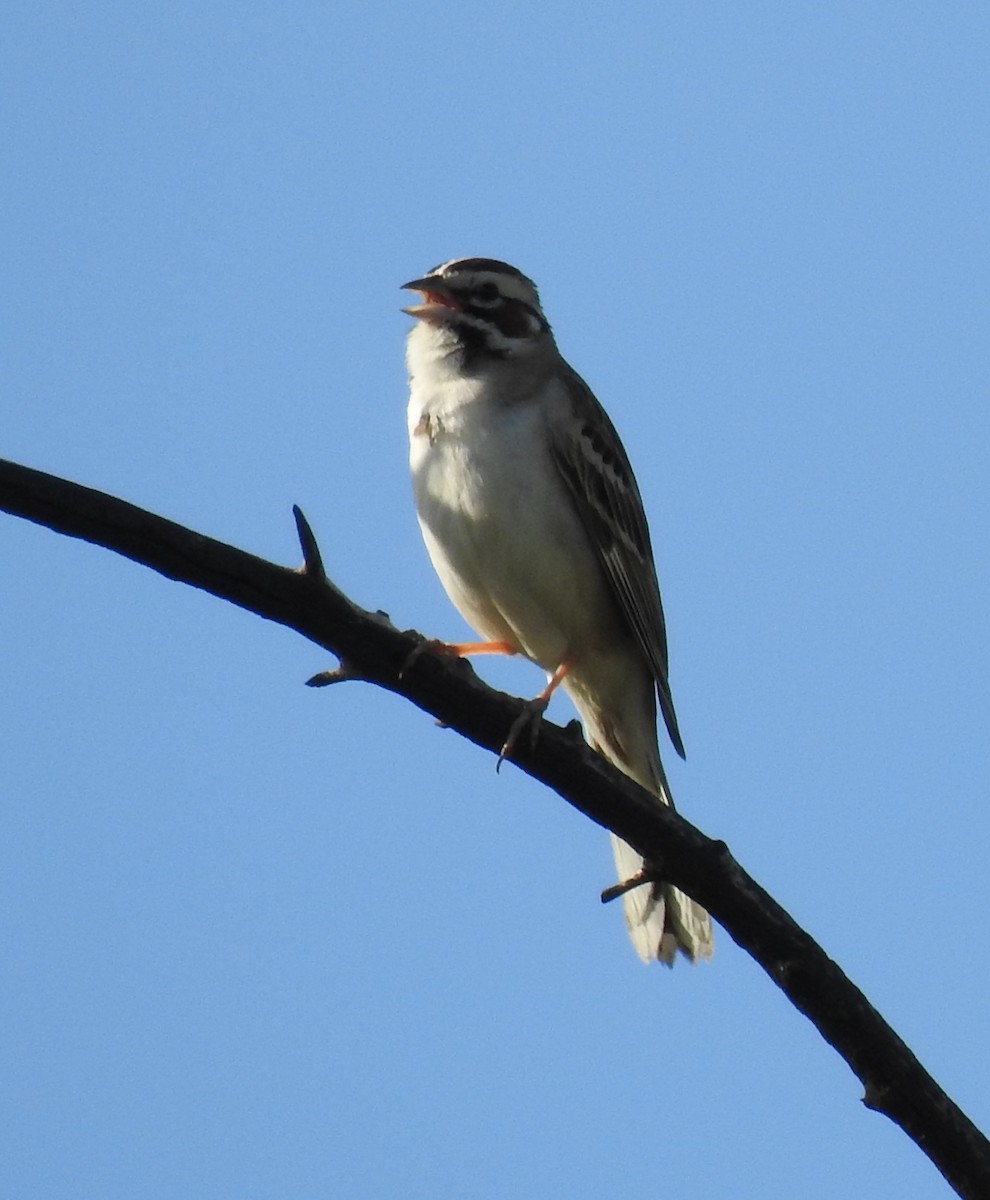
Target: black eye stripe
535, 314
513, 318
540, 321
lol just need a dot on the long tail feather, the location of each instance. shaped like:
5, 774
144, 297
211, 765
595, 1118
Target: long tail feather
660, 918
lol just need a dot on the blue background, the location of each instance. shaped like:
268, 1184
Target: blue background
260, 941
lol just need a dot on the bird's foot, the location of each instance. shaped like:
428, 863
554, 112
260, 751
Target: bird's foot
528, 720
531, 715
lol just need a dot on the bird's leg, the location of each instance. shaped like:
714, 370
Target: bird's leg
456, 650
531, 714
467, 649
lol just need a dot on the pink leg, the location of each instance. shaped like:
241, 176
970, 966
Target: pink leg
467, 649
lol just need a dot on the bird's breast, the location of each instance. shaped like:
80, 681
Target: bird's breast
501, 529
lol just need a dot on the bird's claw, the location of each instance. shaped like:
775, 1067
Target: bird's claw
530, 718
414, 654
435, 646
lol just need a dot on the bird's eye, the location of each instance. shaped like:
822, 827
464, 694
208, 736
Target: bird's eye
487, 293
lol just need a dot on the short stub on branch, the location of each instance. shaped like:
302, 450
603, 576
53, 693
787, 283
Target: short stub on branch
312, 559
336, 675
647, 875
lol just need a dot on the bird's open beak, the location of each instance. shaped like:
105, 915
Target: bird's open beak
436, 299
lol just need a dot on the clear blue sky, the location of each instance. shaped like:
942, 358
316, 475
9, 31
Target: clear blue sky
259, 941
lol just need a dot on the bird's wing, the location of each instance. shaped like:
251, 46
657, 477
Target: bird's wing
593, 464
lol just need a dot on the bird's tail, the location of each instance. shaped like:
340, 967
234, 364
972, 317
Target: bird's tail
660, 918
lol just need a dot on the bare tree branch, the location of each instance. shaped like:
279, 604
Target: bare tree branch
371, 649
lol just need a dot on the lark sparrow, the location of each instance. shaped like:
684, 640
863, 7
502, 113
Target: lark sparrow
535, 526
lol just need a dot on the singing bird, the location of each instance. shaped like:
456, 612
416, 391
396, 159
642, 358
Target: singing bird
534, 523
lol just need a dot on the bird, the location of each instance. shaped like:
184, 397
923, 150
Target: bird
534, 523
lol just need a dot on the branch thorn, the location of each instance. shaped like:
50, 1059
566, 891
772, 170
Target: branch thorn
312, 559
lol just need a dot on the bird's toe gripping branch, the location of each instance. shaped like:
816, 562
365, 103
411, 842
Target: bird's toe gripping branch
531, 715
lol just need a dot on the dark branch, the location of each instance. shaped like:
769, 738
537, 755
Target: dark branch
370, 648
